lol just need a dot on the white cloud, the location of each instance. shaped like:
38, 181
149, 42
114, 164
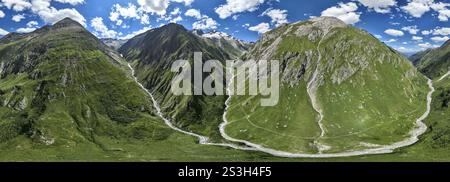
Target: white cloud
417, 38
417, 8
32, 24
18, 17
442, 31
345, 12
193, 13
159, 7
131, 35
177, 19
427, 45
25, 30
3, 32
427, 32
2, 14
154, 6
411, 29
379, 6
442, 9
129, 12
407, 50
439, 39
100, 28
145, 19
175, 11
260, 28
72, 2
186, 2
53, 15
237, 6
16, 5
391, 40
393, 32
205, 23
378, 36
278, 16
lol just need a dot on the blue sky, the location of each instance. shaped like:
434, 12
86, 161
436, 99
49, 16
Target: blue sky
406, 25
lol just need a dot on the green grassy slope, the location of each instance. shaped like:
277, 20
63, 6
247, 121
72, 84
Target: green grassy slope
370, 95
152, 55
66, 96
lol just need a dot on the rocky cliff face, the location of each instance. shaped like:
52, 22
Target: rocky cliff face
236, 48
114, 43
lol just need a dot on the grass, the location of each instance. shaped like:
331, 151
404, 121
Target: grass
377, 104
67, 100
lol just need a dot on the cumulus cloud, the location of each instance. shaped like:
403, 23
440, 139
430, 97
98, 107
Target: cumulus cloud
407, 50
25, 30
175, 11
135, 33
205, 23
193, 13
237, 6
411, 29
417, 38
260, 28
53, 15
176, 19
393, 32
427, 45
439, 39
391, 40
417, 8
18, 17
45, 11
442, 9
101, 29
3, 32
345, 12
186, 2
441, 31
119, 12
16, 5
379, 6
154, 6
427, 32
2, 14
159, 7
32, 24
278, 16
72, 2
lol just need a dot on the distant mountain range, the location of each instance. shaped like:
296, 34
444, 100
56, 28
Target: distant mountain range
433, 62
